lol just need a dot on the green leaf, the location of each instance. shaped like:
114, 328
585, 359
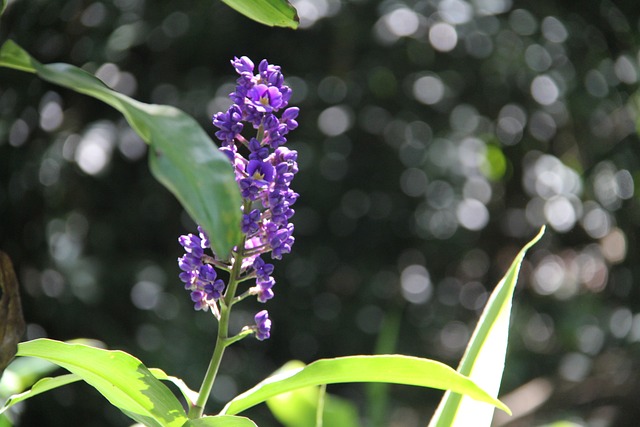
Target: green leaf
3, 4
189, 395
378, 393
40, 387
221, 421
397, 369
118, 376
181, 156
279, 13
484, 357
298, 408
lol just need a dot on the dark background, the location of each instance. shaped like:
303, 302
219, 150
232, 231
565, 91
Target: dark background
424, 167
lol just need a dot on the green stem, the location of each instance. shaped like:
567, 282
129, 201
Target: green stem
222, 340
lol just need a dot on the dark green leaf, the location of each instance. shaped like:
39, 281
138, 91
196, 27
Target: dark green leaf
279, 13
182, 156
11, 320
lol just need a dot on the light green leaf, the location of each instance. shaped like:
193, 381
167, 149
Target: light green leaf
279, 13
40, 387
190, 395
397, 369
221, 421
182, 156
484, 357
118, 376
298, 408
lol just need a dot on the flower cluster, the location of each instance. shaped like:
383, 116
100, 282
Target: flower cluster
264, 169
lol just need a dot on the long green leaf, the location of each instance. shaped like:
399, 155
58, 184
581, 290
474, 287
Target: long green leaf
484, 357
3, 4
397, 369
118, 376
279, 13
299, 408
221, 421
45, 384
182, 156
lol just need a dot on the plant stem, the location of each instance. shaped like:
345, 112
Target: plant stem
222, 340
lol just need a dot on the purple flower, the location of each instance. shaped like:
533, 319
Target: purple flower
265, 98
263, 325
259, 170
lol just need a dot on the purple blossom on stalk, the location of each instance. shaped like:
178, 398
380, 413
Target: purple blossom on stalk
264, 175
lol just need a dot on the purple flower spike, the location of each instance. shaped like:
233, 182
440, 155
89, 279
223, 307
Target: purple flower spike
263, 325
264, 170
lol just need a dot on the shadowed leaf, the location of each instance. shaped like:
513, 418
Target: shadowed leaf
182, 156
278, 13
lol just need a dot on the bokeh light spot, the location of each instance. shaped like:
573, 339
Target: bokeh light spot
443, 37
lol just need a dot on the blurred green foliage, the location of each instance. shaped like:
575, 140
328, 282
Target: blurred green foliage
435, 138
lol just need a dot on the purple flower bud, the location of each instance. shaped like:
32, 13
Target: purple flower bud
263, 325
264, 289
189, 262
250, 222
242, 65
262, 269
214, 290
258, 151
204, 238
192, 245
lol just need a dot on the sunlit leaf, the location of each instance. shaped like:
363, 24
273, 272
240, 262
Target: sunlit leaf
118, 376
11, 320
378, 393
190, 395
298, 408
221, 421
396, 369
45, 384
278, 13
484, 357
181, 156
